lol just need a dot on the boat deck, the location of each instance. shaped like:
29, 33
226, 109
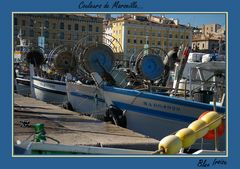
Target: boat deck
72, 128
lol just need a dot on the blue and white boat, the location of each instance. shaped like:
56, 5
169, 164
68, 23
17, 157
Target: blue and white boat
154, 114
86, 99
49, 81
95, 56
51, 91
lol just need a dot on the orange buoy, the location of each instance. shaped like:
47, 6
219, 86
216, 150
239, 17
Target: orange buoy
220, 131
219, 123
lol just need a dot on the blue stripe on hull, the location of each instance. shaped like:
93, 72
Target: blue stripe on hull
86, 96
160, 114
49, 90
163, 98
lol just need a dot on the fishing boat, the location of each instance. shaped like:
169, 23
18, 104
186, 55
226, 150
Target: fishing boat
94, 56
49, 81
86, 98
21, 69
51, 91
152, 113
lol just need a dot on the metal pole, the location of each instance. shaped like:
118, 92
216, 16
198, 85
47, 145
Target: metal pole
216, 139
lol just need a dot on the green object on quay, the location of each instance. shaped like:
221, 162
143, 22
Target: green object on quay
39, 132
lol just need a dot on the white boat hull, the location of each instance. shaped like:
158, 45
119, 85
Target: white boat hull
155, 115
51, 91
23, 86
86, 99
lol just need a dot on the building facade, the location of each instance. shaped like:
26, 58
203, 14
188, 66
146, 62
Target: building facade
210, 28
207, 45
209, 39
134, 32
56, 29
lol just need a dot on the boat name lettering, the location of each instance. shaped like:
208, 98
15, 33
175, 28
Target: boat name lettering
162, 106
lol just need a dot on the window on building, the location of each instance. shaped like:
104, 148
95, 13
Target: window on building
134, 41
16, 31
97, 29
97, 39
70, 37
46, 24
181, 36
141, 41
128, 32
90, 28
129, 41
15, 21
159, 34
31, 23
23, 23
69, 27
153, 43
213, 46
159, 43
186, 36
170, 44
165, 35
31, 33
212, 29
76, 27
23, 32
54, 35
203, 45
165, 43
39, 24
90, 38
176, 36
46, 34
61, 25
61, 35
83, 28
54, 25
170, 36
147, 42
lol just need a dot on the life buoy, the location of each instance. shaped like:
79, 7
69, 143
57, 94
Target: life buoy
211, 135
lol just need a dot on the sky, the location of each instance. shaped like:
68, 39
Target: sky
199, 19
196, 19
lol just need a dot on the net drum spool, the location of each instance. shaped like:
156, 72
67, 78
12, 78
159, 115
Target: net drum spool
65, 62
150, 66
99, 58
35, 57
